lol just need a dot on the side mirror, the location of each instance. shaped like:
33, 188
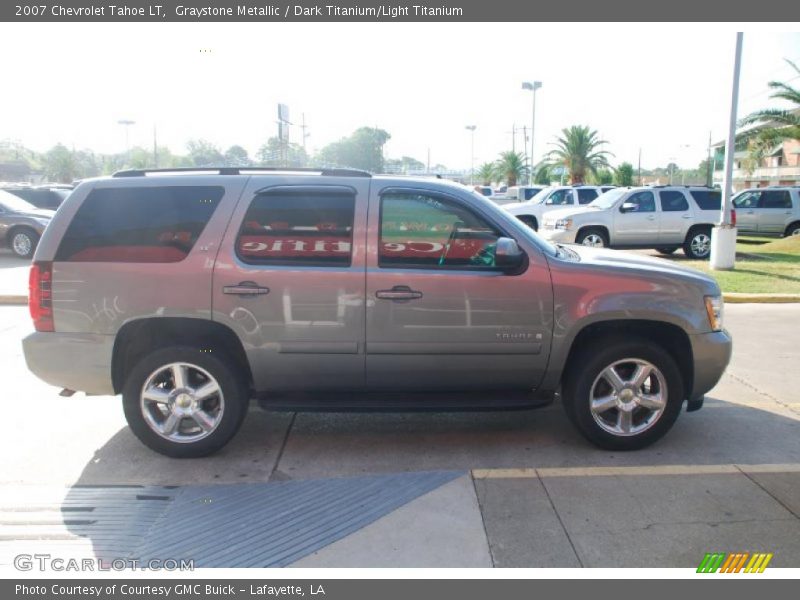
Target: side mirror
508, 255
549, 201
629, 207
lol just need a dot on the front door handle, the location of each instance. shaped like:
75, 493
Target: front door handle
651, 218
245, 288
398, 292
687, 216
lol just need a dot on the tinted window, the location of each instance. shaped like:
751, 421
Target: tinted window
142, 224
746, 200
643, 200
298, 228
605, 188
707, 199
424, 231
586, 195
560, 197
673, 201
775, 199
531, 192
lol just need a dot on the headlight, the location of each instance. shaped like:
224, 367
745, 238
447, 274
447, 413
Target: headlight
563, 223
715, 308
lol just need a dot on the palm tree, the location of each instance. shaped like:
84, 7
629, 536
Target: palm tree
511, 166
486, 173
776, 123
579, 151
771, 126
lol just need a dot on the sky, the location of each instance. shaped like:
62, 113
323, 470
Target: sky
660, 88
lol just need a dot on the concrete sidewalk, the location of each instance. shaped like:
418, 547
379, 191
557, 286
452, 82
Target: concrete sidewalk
13, 278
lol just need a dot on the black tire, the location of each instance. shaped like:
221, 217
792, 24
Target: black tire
697, 245
792, 230
590, 362
27, 233
529, 221
666, 250
584, 234
229, 379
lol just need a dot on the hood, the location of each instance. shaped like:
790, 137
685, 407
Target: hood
565, 213
605, 257
39, 213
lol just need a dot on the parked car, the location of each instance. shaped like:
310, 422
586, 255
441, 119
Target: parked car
662, 217
523, 193
484, 190
191, 293
768, 211
21, 224
47, 197
553, 198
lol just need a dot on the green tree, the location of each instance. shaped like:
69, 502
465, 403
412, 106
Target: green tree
361, 150
203, 153
579, 151
511, 167
603, 177
236, 156
281, 154
403, 165
543, 175
624, 175
60, 164
486, 173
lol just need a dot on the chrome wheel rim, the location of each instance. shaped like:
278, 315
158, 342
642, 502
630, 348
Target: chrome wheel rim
593, 240
701, 244
628, 397
182, 402
21, 243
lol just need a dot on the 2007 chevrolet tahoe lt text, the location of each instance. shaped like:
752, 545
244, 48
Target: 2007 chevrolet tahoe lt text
192, 292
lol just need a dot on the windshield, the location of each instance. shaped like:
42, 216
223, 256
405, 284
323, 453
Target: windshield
608, 199
539, 197
15, 203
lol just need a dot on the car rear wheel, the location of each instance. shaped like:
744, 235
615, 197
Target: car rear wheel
793, 229
596, 238
698, 243
623, 394
184, 403
23, 242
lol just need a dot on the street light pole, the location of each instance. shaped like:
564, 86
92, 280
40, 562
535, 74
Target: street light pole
127, 123
723, 237
533, 86
472, 153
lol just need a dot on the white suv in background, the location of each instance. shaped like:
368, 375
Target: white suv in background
768, 211
662, 217
554, 198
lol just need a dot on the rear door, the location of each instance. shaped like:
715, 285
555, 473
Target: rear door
440, 315
675, 217
775, 211
289, 280
639, 226
747, 211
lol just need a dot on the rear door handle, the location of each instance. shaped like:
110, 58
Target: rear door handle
399, 292
651, 218
245, 288
687, 216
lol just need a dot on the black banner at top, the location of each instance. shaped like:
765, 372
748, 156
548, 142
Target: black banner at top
782, 11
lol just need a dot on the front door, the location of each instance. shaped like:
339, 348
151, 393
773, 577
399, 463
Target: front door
775, 208
747, 211
638, 225
440, 314
289, 280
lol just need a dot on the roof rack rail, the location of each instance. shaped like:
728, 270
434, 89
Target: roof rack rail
325, 172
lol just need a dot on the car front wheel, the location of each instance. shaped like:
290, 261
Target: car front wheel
698, 244
23, 242
624, 394
592, 237
184, 403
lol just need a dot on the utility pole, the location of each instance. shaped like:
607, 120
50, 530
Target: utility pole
723, 237
471, 129
640, 166
155, 148
533, 86
303, 128
709, 170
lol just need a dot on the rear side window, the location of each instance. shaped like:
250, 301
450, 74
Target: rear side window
298, 228
672, 201
775, 199
586, 195
707, 199
531, 192
140, 224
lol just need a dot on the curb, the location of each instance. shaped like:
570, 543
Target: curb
13, 300
742, 298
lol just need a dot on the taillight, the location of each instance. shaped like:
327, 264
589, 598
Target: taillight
733, 217
40, 295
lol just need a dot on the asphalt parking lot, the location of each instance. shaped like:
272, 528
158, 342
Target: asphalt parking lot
517, 488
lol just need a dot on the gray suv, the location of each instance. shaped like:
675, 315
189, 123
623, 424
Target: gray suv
191, 293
